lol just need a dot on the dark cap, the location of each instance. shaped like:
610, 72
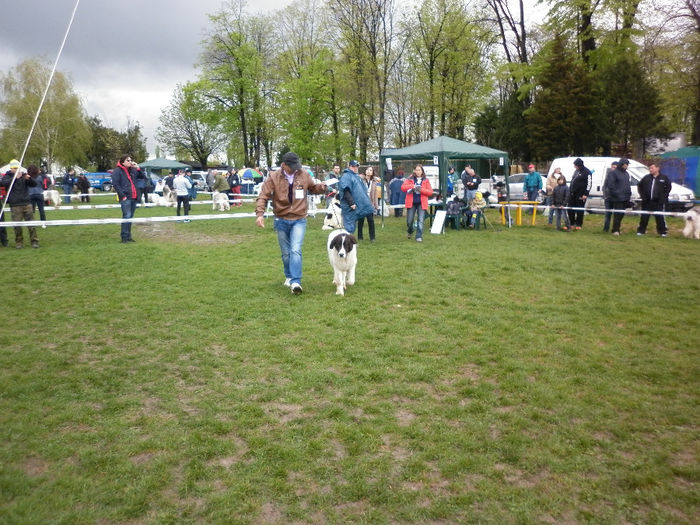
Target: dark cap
188, 170
353, 163
578, 162
291, 159
622, 161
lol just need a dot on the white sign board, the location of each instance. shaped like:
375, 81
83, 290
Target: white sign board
388, 163
438, 222
436, 160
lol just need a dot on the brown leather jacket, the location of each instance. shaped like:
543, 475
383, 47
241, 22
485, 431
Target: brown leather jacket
276, 188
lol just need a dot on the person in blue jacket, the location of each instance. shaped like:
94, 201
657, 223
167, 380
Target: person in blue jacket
354, 201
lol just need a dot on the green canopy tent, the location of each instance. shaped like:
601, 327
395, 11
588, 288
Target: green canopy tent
446, 151
163, 164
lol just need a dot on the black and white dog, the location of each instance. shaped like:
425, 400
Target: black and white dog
692, 223
342, 253
334, 217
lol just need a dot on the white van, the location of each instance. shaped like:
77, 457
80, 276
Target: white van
680, 199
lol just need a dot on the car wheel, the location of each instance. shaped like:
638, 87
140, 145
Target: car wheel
106, 187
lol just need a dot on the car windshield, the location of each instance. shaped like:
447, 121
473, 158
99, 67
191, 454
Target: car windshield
636, 173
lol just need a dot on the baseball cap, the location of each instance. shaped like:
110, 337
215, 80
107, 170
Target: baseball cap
291, 159
531, 166
353, 163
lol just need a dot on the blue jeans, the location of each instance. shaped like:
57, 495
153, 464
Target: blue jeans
290, 235
548, 200
37, 200
411, 213
67, 190
128, 208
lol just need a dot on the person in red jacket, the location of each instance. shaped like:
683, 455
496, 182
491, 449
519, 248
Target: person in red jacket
418, 190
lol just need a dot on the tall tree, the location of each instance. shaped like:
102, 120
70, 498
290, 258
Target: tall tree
61, 133
108, 144
190, 124
563, 118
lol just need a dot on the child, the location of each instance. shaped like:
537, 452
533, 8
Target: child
560, 198
476, 208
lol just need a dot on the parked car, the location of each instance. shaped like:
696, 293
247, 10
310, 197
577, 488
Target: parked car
199, 178
516, 184
100, 181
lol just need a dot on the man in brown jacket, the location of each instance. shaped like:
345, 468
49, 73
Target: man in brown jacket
288, 188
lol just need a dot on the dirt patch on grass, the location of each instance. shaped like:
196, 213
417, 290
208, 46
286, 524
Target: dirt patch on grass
175, 233
284, 412
34, 466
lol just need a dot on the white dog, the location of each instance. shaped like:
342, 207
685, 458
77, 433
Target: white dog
52, 197
169, 197
334, 217
220, 200
342, 253
692, 223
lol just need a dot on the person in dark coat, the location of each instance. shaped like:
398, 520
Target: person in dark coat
18, 199
579, 189
124, 178
619, 192
654, 189
354, 201
84, 187
397, 197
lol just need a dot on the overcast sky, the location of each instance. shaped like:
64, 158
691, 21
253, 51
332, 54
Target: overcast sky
124, 57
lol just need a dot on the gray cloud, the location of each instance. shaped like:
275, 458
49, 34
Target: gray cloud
124, 57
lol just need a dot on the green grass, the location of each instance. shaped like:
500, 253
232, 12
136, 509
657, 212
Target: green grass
513, 376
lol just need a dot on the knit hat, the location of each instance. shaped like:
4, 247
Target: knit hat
622, 161
578, 162
14, 163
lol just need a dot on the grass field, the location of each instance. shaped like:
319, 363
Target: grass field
512, 376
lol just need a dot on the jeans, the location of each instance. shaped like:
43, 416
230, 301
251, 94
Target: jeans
37, 200
128, 207
561, 212
370, 226
532, 196
67, 190
608, 215
470, 194
290, 235
185, 201
548, 201
409, 220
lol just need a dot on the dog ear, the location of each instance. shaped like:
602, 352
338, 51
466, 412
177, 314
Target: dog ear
335, 243
352, 241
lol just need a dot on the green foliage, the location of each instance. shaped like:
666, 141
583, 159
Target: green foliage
503, 127
191, 124
564, 118
108, 144
630, 102
61, 134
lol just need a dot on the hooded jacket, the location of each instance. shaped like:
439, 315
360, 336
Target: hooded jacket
618, 185
351, 183
581, 183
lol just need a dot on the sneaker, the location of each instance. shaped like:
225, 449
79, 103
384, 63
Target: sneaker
664, 235
288, 282
616, 234
187, 220
43, 226
408, 236
35, 244
19, 246
418, 239
565, 228
577, 228
296, 289
639, 234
